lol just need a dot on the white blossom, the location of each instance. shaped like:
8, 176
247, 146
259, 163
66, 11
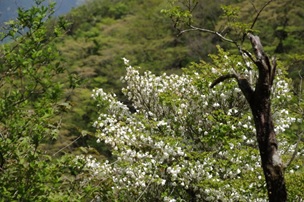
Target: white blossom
182, 136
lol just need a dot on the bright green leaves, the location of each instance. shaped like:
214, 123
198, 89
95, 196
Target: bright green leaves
33, 17
180, 12
232, 24
30, 97
231, 12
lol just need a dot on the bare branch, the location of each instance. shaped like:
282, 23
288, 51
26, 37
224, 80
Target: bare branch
146, 188
248, 54
193, 8
67, 145
223, 78
259, 13
243, 83
251, 2
193, 28
256, 17
244, 54
273, 70
295, 151
300, 134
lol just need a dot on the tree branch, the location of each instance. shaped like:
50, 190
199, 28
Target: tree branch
243, 83
146, 188
193, 28
259, 13
294, 152
67, 145
267, 68
257, 16
223, 78
256, 46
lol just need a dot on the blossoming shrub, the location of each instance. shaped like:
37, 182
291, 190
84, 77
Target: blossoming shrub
185, 141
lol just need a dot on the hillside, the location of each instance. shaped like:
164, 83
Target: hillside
102, 32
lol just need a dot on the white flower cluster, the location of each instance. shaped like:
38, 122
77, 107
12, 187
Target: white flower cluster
148, 92
281, 88
182, 138
282, 120
281, 96
114, 106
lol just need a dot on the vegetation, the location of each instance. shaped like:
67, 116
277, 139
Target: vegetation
31, 112
166, 136
187, 142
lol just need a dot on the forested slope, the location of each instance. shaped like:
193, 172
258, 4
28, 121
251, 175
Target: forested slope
102, 32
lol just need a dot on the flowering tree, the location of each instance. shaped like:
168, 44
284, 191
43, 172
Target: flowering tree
185, 141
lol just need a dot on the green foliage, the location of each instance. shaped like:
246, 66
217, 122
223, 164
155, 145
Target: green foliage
31, 106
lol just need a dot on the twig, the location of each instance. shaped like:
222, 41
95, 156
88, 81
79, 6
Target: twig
256, 17
251, 2
243, 83
301, 134
259, 13
193, 8
145, 188
295, 151
193, 28
300, 86
67, 145
223, 78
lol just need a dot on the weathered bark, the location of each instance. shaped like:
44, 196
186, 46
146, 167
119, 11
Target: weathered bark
259, 100
260, 104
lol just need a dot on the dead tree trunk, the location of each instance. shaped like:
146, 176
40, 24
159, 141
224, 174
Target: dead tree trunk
260, 104
259, 100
